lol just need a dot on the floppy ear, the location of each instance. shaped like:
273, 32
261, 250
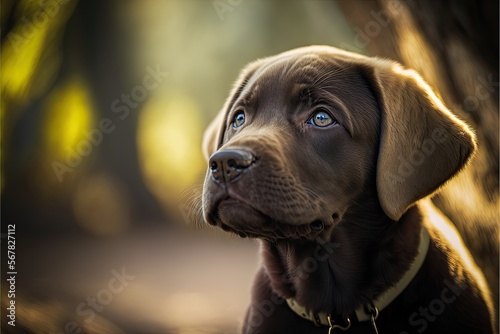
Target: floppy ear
422, 144
214, 134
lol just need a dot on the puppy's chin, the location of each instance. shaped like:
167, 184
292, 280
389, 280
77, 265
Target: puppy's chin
241, 217
246, 221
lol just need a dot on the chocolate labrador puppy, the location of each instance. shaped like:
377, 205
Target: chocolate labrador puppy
327, 156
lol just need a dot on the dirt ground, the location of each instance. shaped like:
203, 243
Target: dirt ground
155, 280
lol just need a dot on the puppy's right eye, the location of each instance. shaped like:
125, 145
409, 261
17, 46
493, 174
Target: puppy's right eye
239, 119
321, 119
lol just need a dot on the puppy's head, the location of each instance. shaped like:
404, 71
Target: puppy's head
306, 134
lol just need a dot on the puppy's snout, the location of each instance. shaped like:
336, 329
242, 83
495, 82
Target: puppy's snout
227, 165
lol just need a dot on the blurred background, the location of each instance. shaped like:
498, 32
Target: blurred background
103, 106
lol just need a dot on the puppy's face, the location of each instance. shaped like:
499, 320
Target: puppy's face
297, 124
304, 134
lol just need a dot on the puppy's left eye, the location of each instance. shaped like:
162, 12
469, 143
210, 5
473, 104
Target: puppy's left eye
321, 119
239, 119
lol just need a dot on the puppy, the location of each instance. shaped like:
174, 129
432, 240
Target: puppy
327, 157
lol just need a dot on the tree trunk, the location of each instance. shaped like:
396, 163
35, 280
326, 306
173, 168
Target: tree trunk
454, 46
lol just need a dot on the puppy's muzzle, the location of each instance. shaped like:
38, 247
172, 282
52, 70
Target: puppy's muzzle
227, 165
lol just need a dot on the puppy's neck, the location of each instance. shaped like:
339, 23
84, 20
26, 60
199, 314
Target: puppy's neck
363, 258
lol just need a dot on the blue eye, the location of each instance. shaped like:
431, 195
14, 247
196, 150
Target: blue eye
239, 119
321, 119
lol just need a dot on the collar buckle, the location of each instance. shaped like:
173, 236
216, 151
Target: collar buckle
335, 326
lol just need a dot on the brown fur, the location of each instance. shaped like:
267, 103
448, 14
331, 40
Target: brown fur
336, 207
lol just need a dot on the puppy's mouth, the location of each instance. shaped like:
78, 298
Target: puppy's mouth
235, 215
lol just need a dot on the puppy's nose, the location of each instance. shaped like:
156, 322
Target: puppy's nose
227, 165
